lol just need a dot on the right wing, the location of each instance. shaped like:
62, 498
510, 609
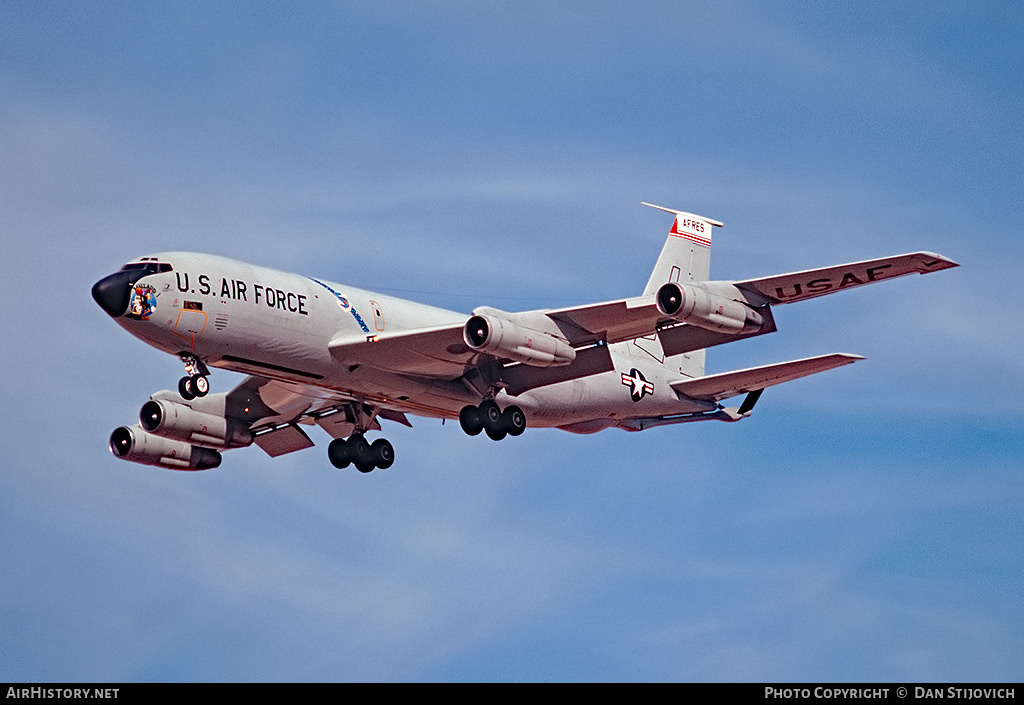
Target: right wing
275, 412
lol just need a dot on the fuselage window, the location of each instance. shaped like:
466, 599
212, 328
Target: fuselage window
148, 267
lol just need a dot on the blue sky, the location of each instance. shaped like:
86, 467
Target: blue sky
863, 525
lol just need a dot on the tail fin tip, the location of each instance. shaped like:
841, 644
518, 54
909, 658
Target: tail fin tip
684, 214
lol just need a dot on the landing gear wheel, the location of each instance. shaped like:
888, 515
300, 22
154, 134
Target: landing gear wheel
490, 414
383, 453
194, 383
513, 420
359, 452
356, 451
186, 389
338, 454
488, 417
469, 419
495, 434
200, 385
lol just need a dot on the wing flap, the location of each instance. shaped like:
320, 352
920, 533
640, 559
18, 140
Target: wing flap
683, 337
589, 361
810, 283
610, 321
286, 439
730, 384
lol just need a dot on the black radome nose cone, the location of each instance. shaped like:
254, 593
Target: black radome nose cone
112, 293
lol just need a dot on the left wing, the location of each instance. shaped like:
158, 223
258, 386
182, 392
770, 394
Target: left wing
798, 286
441, 351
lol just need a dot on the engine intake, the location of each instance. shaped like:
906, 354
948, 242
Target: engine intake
504, 338
693, 304
181, 422
136, 445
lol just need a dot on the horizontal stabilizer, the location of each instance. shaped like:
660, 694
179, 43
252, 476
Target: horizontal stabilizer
797, 286
730, 384
683, 214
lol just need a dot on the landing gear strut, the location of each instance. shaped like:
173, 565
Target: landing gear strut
195, 384
492, 420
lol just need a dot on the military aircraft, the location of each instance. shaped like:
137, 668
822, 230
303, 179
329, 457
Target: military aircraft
344, 359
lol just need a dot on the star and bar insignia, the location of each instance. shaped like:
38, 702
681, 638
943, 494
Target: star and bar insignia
638, 384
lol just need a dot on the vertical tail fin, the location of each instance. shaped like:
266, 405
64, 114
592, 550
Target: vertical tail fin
686, 255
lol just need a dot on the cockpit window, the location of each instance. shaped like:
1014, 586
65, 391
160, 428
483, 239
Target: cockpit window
147, 268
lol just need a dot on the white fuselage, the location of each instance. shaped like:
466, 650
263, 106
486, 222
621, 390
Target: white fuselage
275, 324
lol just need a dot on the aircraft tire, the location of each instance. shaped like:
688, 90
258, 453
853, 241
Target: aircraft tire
469, 419
493, 421
383, 453
186, 389
337, 453
360, 454
490, 414
495, 434
200, 385
513, 420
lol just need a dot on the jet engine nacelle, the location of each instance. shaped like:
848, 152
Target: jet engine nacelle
183, 423
690, 303
502, 337
136, 445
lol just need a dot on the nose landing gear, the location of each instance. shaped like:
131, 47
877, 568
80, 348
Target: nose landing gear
191, 387
195, 383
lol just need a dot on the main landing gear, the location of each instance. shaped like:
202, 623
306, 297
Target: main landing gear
195, 383
493, 421
356, 450
365, 456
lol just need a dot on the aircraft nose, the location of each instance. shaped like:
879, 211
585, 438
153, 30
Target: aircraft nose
113, 292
